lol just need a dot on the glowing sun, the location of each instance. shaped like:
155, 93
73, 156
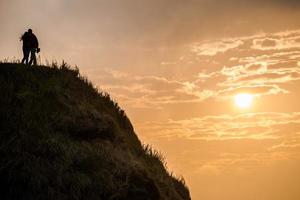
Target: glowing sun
243, 100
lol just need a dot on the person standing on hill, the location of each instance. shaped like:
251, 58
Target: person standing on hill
33, 47
26, 49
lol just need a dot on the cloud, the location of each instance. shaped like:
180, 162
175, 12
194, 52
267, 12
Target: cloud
212, 48
148, 91
255, 90
257, 126
279, 41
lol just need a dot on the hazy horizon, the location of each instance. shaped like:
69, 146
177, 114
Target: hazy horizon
176, 67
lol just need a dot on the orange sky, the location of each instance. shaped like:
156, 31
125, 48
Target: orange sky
175, 67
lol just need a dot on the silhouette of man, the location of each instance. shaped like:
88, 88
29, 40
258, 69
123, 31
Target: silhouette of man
33, 47
26, 49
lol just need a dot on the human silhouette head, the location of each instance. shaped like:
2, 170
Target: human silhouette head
30, 30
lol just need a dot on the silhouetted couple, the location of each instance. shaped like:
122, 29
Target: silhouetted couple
30, 46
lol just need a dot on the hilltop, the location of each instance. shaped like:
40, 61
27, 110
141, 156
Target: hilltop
62, 139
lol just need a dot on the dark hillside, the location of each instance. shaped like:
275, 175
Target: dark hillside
62, 139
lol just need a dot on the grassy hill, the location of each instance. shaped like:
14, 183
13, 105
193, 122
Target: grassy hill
62, 139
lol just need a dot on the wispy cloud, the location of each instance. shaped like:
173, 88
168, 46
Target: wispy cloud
279, 41
224, 127
212, 48
148, 91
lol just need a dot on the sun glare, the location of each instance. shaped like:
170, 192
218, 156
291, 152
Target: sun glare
243, 100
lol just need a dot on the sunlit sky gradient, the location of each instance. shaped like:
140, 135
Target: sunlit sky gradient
175, 67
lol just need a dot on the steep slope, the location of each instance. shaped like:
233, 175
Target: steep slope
62, 139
